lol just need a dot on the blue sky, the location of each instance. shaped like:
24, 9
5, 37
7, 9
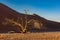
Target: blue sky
49, 9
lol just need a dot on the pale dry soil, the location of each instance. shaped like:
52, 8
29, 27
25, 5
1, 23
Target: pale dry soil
30, 36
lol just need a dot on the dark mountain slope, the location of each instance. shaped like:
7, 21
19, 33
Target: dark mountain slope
6, 12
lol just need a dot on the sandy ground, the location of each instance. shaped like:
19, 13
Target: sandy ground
31, 36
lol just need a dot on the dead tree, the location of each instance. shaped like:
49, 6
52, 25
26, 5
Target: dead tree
36, 23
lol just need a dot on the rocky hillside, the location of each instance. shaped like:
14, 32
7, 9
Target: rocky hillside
11, 20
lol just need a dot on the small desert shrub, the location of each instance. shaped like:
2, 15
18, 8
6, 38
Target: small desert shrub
11, 32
